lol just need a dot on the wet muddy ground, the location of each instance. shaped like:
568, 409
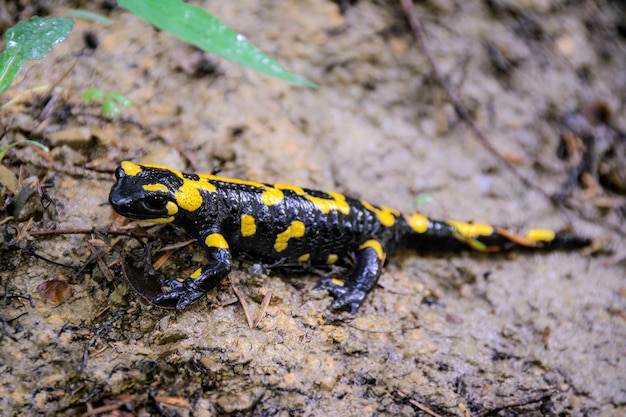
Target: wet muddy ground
519, 334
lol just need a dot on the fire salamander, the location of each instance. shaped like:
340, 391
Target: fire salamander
284, 224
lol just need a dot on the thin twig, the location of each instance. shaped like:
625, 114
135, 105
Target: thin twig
459, 108
91, 412
420, 406
103, 267
136, 233
517, 403
261, 313
244, 305
99, 332
52, 100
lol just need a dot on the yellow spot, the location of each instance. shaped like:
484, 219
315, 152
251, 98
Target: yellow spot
337, 281
304, 257
248, 225
216, 240
156, 187
336, 202
130, 168
196, 273
332, 258
325, 205
162, 220
386, 215
172, 208
540, 235
295, 230
374, 244
188, 199
470, 230
272, 196
188, 196
202, 185
294, 188
418, 222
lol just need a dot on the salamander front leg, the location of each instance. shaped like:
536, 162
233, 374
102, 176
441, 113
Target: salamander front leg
189, 290
350, 294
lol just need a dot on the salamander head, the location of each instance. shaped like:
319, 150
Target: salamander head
146, 192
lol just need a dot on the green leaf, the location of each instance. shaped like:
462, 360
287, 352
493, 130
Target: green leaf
111, 102
92, 93
30, 40
423, 198
120, 99
194, 25
110, 108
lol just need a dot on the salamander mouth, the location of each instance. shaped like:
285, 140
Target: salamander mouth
133, 207
133, 214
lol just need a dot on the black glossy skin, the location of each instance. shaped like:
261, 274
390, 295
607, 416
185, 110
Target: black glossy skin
322, 228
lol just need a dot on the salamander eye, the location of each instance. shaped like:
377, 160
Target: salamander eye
155, 201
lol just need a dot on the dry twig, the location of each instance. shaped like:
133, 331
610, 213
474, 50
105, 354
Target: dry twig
244, 305
517, 403
261, 313
459, 108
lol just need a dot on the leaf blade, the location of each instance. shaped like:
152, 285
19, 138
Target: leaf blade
30, 40
196, 26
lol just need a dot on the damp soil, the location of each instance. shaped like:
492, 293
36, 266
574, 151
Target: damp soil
539, 334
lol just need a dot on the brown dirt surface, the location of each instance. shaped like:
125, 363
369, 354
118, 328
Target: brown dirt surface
537, 334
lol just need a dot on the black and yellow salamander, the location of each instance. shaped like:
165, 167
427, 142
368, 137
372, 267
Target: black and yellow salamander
288, 225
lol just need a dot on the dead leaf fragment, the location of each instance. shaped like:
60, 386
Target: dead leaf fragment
56, 290
8, 179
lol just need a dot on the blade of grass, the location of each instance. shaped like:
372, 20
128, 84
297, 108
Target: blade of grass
196, 26
89, 16
4, 150
30, 40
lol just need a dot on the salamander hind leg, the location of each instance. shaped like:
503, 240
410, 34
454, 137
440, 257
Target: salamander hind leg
187, 291
350, 293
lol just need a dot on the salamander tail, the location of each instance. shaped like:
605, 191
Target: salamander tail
435, 235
